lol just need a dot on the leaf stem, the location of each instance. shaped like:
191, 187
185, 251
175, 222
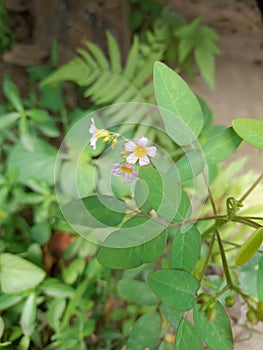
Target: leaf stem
251, 188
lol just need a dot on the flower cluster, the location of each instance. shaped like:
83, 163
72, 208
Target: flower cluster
134, 151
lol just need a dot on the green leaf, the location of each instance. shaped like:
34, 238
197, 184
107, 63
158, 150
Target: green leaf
95, 211
188, 167
18, 274
2, 327
216, 333
250, 130
54, 288
117, 256
9, 300
165, 195
28, 315
8, 120
38, 115
187, 337
145, 332
41, 233
186, 249
250, 247
114, 52
174, 95
136, 291
176, 288
85, 182
221, 146
173, 316
38, 164
71, 273
12, 94
259, 280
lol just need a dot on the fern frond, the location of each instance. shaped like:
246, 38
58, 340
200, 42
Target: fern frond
106, 81
98, 55
114, 52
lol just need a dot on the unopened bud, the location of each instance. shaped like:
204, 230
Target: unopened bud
114, 143
210, 313
252, 316
203, 298
229, 301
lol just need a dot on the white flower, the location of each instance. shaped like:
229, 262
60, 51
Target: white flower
140, 151
97, 133
125, 168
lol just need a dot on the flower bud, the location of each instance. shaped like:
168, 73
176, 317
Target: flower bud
203, 298
252, 316
229, 301
210, 313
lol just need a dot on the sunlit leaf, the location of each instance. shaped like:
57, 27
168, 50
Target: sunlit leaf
221, 146
250, 130
18, 274
184, 121
250, 247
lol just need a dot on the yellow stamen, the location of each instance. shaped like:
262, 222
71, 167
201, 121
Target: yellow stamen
127, 170
102, 133
140, 151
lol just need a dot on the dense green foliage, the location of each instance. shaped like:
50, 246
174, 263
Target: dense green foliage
134, 289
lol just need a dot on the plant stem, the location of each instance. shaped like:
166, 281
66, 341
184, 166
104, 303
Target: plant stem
251, 188
220, 244
224, 261
245, 221
207, 258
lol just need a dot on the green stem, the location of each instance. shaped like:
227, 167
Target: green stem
245, 221
251, 188
224, 260
207, 258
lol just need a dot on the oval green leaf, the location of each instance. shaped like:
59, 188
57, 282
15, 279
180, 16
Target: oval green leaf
250, 130
187, 337
216, 333
221, 146
18, 274
176, 288
129, 257
250, 247
145, 332
186, 249
28, 315
174, 95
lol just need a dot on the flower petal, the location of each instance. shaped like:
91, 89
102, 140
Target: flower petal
132, 159
144, 161
129, 146
92, 128
127, 177
93, 141
142, 141
117, 170
151, 151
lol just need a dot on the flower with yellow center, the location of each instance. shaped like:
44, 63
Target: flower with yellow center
97, 134
140, 151
126, 169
